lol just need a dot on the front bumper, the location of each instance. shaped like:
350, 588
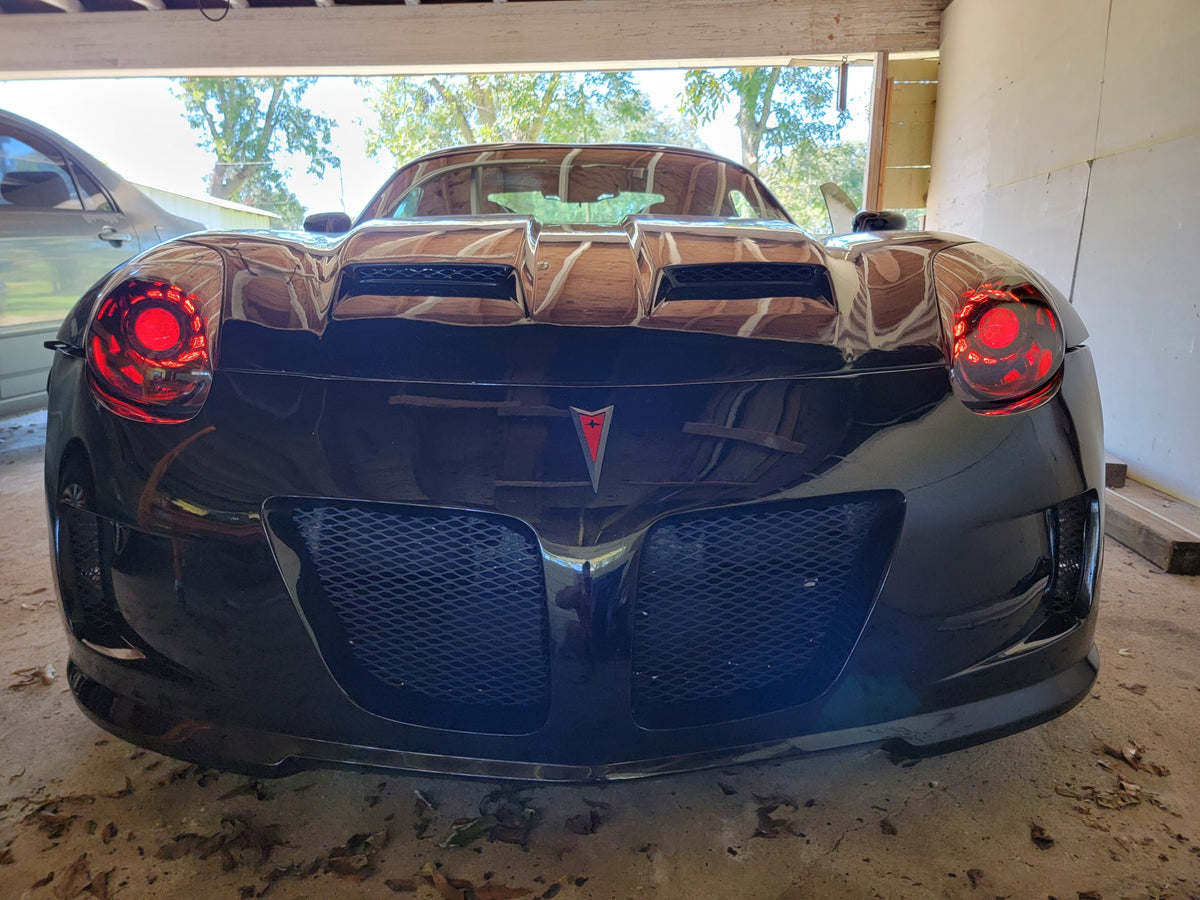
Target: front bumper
952, 646
275, 754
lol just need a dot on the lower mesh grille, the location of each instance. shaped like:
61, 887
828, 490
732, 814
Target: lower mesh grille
434, 617
1069, 524
749, 611
90, 607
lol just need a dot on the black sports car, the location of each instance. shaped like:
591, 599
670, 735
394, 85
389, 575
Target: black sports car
572, 462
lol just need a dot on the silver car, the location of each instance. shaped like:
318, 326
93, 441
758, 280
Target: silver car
65, 220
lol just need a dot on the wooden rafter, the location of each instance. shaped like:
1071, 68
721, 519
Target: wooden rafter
324, 37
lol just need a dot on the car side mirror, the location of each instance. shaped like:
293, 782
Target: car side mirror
874, 220
327, 223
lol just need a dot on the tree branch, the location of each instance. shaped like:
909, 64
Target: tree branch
544, 106
460, 117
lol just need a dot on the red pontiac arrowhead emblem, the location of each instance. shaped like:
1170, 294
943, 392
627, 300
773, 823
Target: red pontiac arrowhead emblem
592, 428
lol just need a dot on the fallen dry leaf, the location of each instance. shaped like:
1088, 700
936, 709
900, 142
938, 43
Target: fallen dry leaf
1040, 837
1125, 651
423, 802
445, 889
99, 886
584, 823
401, 886
73, 880
1129, 752
355, 859
1132, 754
53, 824
466, 831
886, 826
771, 827
34, 675
1138, 689
515, 816
237, 833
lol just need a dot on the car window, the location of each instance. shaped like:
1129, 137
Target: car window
567, 186
33, 175
94, 197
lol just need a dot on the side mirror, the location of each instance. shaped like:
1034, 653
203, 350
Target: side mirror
327, 223
873, 220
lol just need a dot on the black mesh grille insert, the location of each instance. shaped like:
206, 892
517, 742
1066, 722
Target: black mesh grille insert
89, 601
740, 612
1069, 524
431, 279
435, 617
743, 281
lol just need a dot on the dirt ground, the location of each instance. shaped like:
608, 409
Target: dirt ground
1047, 813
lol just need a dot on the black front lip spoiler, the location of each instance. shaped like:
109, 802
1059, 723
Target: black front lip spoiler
271, 754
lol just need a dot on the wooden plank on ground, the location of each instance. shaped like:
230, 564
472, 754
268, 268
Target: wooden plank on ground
1161, 528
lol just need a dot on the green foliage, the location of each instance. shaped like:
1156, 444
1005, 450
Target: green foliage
248, 123
778, 107
796, 178
418, 115
651, 127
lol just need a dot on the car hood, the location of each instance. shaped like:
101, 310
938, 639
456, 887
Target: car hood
582, 304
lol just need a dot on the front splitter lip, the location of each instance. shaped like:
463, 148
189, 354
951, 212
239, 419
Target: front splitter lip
272, 754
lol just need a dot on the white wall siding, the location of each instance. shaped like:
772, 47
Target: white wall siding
219, 215
1068, 134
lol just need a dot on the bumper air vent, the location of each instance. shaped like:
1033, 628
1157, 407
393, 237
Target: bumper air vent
1074, 529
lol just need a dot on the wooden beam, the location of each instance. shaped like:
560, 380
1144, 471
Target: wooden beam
461, 37
879, 93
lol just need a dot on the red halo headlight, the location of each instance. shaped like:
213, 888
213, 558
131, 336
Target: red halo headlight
1006, 348
150, 342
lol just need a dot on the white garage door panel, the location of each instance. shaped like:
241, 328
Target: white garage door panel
1152, 74
1039, 219
1143, 314
1061, 70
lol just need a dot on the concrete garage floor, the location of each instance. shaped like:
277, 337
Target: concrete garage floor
1046, 813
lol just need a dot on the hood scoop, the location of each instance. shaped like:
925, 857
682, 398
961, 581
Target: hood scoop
489, 281
743, 281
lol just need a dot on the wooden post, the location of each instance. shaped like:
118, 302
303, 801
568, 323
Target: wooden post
879, 91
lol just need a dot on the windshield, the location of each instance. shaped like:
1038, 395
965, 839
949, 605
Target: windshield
575, 186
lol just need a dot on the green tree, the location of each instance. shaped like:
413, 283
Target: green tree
417, 115
796, 178
248, 123
777, 107
654, 126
